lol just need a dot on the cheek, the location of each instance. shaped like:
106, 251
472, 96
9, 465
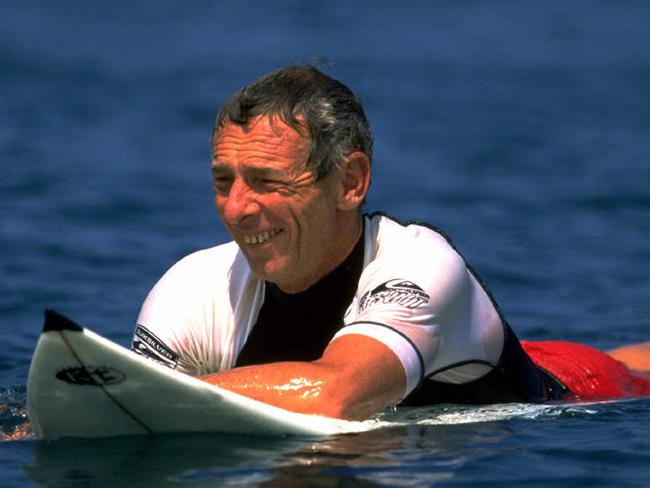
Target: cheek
317, 225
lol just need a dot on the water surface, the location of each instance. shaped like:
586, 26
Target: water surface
521, 129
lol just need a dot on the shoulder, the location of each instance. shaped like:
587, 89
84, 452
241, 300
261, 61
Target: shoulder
412, 247
389, 233
194, 279
412, 264
190, 304
203, 269
206, 261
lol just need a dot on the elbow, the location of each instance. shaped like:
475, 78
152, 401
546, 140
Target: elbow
335, 403
340, 410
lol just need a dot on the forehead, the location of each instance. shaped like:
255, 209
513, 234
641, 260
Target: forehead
265, 141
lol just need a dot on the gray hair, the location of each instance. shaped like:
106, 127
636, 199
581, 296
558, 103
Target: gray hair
313, 104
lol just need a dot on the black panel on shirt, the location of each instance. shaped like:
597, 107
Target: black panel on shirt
298, 327
515, 379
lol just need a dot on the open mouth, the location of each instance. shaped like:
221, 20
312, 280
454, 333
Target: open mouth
261, 237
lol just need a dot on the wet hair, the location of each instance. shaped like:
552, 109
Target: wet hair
321, 108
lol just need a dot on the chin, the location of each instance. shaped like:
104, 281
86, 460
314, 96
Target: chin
266, 272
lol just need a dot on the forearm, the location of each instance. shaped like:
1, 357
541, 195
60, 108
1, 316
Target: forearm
299, 387
328, 387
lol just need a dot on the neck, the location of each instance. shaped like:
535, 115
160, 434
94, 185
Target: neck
353, 228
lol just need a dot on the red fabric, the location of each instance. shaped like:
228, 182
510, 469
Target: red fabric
589, 373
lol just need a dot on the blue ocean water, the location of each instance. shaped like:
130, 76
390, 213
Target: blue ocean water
520, 128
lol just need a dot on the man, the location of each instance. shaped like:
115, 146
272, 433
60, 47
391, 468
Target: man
317, 308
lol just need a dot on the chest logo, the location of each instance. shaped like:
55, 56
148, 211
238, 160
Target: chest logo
397, 291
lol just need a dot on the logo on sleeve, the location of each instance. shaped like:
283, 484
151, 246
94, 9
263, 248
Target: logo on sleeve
147, 344
398, 291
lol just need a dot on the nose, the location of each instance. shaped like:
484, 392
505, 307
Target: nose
239, 203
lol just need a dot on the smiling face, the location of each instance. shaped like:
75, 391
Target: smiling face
292, 229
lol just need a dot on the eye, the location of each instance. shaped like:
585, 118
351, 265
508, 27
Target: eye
221, 184
267, 184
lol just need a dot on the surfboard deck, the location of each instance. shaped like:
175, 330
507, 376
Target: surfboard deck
83, 385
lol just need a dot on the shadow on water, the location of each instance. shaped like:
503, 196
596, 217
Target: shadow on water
367, 459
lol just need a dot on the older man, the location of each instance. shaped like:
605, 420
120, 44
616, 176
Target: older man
320, 309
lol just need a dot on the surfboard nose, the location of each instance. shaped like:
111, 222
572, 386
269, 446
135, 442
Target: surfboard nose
55, 321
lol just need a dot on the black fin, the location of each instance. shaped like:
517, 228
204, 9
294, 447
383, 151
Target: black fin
56, 321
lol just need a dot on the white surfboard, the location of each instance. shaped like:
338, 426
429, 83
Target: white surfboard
83, 385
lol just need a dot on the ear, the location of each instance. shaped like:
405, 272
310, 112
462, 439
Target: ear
354, 181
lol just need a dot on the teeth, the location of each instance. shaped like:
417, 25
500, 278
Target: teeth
260, 238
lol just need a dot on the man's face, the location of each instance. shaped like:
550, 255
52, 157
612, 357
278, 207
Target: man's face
283, 220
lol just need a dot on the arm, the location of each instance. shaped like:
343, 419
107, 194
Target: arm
356, 377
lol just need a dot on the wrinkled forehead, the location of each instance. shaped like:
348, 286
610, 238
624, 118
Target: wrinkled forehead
263, 142
271, 126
